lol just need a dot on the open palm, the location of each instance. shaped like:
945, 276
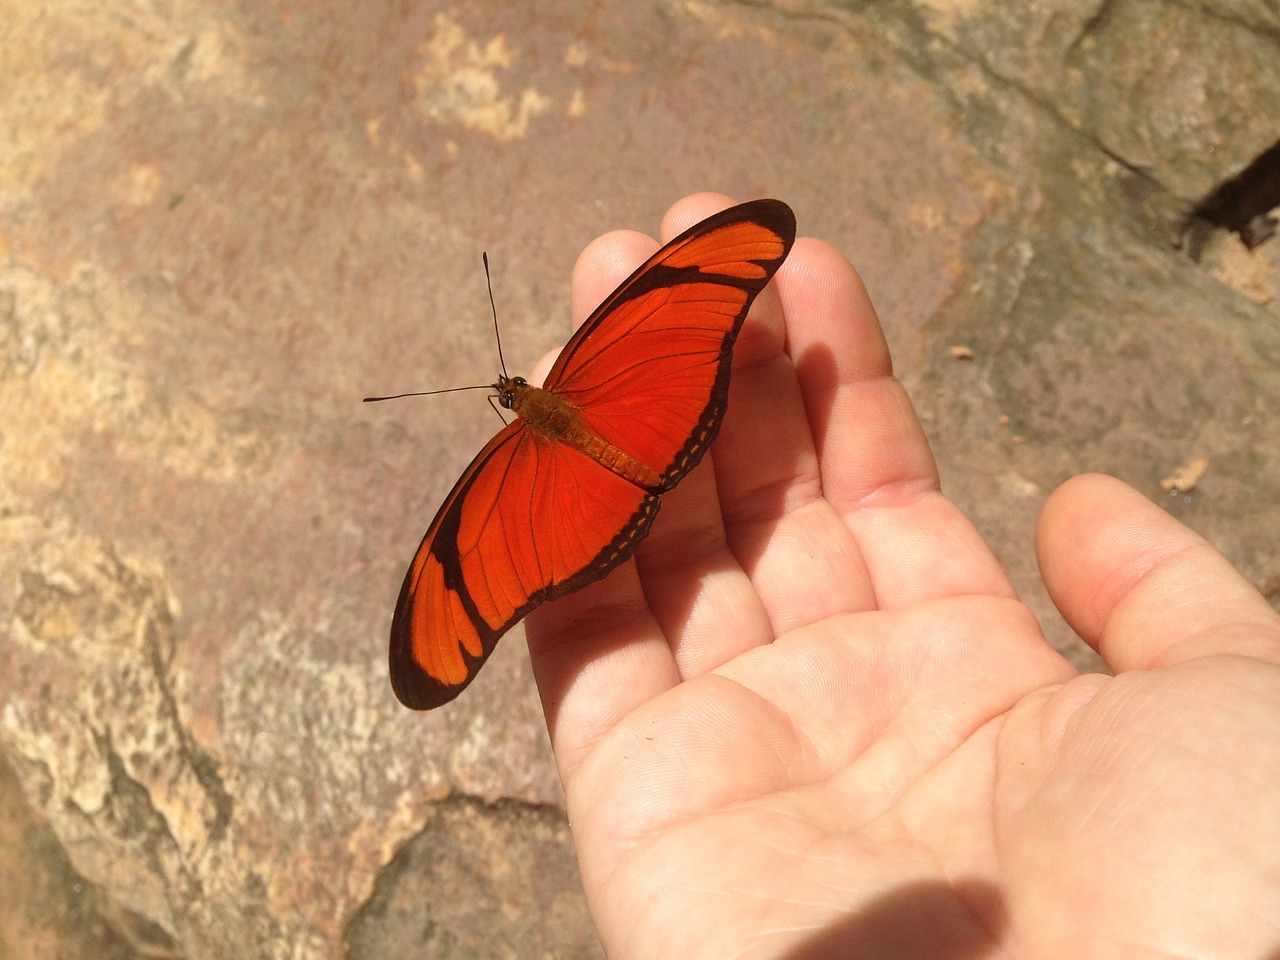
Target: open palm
813, 719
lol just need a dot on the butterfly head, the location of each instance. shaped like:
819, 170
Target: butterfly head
508, 388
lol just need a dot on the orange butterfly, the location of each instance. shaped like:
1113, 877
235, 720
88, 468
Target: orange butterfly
565, 492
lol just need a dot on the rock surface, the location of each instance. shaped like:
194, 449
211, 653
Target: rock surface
220, 226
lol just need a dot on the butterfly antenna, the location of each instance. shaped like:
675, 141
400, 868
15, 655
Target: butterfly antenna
428, 393
484, 256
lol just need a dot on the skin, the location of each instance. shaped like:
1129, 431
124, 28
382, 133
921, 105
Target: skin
812, 719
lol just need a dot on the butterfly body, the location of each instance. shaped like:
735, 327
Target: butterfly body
556, 420
565, 493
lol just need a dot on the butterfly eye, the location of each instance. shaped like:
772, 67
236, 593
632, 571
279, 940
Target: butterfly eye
506, 399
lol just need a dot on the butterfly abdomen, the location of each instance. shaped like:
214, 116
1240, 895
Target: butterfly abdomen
551, 416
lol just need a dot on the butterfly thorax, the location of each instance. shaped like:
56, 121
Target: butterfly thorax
552, 417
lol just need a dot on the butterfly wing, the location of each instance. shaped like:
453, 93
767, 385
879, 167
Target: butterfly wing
649, 369
499, 547
531, 518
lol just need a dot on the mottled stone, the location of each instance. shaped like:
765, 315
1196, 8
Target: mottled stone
46, 909
479, 881
220, 226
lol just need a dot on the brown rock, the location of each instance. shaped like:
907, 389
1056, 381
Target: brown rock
224, 225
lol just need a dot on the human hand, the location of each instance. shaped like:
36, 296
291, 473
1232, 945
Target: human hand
813, 719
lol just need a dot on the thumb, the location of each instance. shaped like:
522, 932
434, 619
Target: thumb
1141, 588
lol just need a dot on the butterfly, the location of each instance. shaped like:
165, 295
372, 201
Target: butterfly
567, 490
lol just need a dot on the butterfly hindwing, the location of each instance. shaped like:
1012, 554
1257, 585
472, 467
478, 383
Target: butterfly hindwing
490, 556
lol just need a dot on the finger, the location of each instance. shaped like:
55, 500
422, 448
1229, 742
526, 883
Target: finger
603, 651
801, 558
701, 599
1140, 587
603, 264
697, 589
597, 653
878, 473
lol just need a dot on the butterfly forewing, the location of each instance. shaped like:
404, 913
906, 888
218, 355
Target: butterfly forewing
649, 370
